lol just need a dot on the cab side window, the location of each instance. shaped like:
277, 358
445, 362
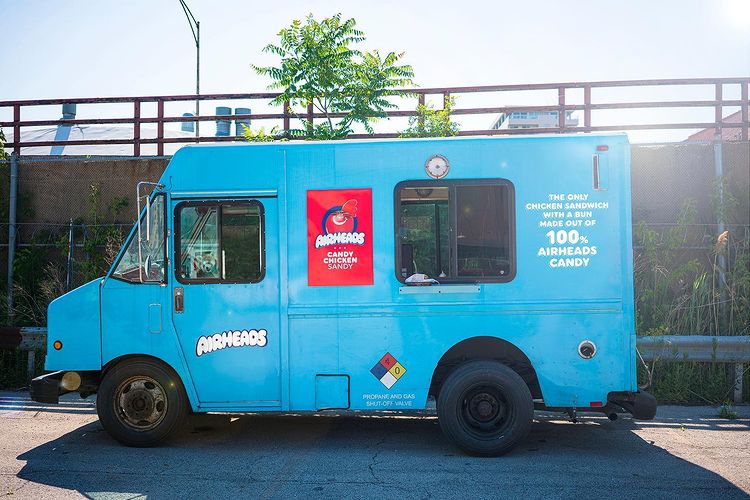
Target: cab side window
219, 242
456, 231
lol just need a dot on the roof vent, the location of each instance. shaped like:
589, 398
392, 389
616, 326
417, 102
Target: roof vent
63, 131
241, 123
69, 112
223, 126
187, 126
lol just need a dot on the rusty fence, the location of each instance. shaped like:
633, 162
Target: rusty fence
723, 92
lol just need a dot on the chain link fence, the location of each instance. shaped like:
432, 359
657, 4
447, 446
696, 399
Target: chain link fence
73, 214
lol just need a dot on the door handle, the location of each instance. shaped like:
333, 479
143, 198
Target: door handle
595, 168
600, 167
179, 299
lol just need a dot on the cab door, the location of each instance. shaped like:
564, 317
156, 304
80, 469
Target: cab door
225, 300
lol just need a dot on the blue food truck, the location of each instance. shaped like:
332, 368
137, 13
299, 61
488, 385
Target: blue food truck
486, 276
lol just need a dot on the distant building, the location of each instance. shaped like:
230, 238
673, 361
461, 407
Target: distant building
727, 134
94, 132
532, 119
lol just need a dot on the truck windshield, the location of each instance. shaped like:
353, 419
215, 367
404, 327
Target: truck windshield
149, 266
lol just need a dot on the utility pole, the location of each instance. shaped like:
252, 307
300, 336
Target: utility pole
195, 28
13, 201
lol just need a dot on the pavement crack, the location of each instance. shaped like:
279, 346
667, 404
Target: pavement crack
374, 459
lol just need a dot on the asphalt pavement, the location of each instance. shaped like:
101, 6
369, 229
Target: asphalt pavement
61, 451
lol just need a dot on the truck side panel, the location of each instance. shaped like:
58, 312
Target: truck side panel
545, 311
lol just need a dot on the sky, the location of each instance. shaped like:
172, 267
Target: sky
99, 48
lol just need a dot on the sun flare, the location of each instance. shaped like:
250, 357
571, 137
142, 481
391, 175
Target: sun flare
737, 13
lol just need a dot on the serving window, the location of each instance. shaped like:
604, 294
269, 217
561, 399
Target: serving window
459, 231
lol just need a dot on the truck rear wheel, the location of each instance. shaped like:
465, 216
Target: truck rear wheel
485, 408
140, 402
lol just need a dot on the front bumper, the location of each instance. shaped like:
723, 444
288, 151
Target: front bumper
47, 388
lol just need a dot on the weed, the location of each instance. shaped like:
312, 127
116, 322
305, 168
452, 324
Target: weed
726, 410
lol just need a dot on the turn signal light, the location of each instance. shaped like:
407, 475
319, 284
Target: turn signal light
57, 345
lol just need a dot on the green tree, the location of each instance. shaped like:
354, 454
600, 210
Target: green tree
431, 122
321, 66
3, 154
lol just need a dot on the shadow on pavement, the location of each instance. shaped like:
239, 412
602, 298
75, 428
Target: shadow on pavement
368, 457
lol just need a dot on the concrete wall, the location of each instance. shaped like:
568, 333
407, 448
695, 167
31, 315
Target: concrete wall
56, 191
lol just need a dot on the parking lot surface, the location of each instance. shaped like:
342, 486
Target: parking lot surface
61, 451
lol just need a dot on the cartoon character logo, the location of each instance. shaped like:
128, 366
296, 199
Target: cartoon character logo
341, 219
339, 226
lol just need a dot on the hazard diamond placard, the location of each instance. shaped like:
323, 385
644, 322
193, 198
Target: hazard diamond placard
388, 370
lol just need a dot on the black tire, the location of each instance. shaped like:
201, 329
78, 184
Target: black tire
485, 408
140, 402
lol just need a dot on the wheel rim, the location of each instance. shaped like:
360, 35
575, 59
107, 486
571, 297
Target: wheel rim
140, 403
485, 412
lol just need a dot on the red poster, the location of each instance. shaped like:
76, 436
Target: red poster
339, 237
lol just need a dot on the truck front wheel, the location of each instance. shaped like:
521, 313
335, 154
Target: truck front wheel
140, 402
485, 408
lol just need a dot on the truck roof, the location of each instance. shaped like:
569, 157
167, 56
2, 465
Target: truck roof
620, 136
261, 167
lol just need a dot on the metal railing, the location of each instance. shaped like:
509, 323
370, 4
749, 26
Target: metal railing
701, 348
564, 105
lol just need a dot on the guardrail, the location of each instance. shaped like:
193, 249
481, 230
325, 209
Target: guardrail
724, 349
702, 348
505, 93
665, 348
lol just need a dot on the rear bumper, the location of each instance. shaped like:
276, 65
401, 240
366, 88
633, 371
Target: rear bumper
641, 404
46, 388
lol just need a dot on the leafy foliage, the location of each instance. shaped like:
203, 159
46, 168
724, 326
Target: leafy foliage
678, 291
679, 294
101, 233
13, 366
261, 135
431, 122
38, 281
320, 66
3, 154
